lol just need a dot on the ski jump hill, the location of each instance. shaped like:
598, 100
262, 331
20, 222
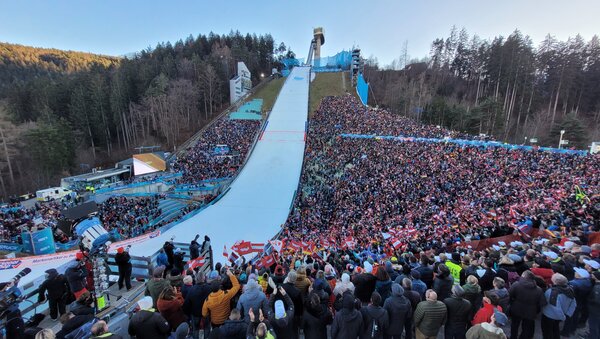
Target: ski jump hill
258, 201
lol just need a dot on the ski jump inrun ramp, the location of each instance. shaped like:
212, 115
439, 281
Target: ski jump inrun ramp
258, 201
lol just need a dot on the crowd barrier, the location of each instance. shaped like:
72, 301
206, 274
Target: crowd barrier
477, 143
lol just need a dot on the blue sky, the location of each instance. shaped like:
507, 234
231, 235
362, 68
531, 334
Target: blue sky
379, 27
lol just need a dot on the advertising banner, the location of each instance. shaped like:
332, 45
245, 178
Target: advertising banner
39, 242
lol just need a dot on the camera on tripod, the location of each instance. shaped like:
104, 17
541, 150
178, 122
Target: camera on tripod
10, 294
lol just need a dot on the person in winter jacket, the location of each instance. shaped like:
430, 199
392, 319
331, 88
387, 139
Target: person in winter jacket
217, 305
302, 282
71, 323
281, 315
375, 318
560, 304
188, 283
83, 305
383, 285
178, 259
76, 275
169, 249
260, 329
156, 285
162, 259
417, 284
456, 270
502, 293
543, 269
582, 286
429, 316
364, 284
526, 301
170, 306
473, 294
594, 307
344, 285
252, 298
100, 330
194, 300
58, 289
411, 295
389, 268
316, 317
348, 322
146, 323
442, 284
490, 304
486, 274
491, 330
426, 271
233, 328
194, 248
123, 261
399, 311
459, 313
175, 278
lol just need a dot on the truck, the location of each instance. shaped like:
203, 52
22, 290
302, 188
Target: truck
52, 193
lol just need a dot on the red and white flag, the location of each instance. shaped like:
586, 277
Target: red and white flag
277, 245
350, 242
257, 247
225, 254
396, 243
242, 247
233, 257
267, 261
198, 262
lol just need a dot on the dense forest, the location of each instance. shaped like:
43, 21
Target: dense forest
505, 87
65, 112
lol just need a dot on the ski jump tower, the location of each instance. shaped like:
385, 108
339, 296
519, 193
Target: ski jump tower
315, 46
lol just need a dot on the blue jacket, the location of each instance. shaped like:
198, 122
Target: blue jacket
252, 298
582, 288
162, 260
563, 307
419, 286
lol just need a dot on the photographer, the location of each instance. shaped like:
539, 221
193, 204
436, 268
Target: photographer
195, 248
58, 292
123, 261
76, 275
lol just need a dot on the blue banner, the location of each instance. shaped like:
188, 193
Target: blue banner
10, 247
40, 242
67, 245
362, 88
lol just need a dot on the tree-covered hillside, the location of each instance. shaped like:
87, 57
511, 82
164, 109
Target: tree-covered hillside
505, 87
82, 117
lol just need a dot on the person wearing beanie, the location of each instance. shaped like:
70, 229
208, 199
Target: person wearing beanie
560, 304
492, 330
473, 293
399, 311
157, 284
194, 300
147, 323
170, 305
281, 314
442, 284
296, 296
459, 314
418, 285
252, 298
188, 282
429, 316
389, 268
375, 318
582, 287
123, 261
411, 295
76, 275
594, 307
526, 302
58, 290
302, 282
348, 323
456, 270
217, 305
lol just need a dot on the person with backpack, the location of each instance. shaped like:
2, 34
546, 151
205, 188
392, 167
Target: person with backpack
375, 318
526, 302
561, 304
58, 289
399, 311
348, 322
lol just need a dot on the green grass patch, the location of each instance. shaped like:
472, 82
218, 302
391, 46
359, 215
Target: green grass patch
268, 93
326, 84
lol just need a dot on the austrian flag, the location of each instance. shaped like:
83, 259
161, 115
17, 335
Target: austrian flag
198, 262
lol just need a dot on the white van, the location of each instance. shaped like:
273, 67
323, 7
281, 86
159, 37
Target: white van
52, 193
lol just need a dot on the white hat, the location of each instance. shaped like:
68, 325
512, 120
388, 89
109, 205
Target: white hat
145, 303
496, 247
368, 267
569, 244
592, 263
582, 273
501, 243
550, 255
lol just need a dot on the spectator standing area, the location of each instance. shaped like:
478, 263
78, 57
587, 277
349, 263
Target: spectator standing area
258, 201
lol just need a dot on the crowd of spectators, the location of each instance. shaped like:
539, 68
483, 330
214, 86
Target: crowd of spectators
203, 161
15, 218
129, 216
429, 195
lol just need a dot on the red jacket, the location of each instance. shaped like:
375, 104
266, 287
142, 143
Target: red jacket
172, 311
484, 315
